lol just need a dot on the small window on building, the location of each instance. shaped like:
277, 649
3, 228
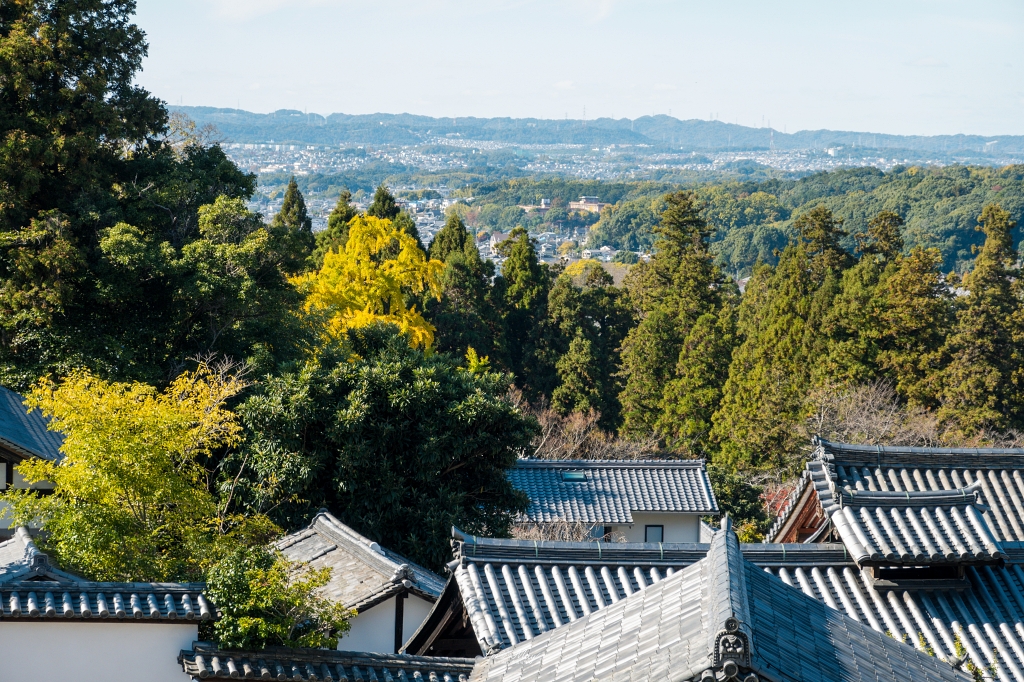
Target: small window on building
574, 476
654, 533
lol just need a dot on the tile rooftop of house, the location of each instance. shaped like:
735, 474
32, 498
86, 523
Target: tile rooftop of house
32, 588
204, 661
363, 573
607, 491
25, 434
721, 618
913, 506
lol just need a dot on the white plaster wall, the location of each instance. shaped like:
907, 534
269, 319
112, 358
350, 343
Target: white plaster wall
93, 651
374, 629
416, 611
678, 527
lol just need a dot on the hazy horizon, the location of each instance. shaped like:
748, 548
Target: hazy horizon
919, 67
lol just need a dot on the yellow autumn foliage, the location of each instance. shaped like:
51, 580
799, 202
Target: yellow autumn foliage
370, 280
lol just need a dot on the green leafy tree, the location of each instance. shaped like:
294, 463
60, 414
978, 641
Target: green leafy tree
335, 235
293, 226
383, 205
100, 234
399, 444
978, 388
265, 600
586, 323
693, 393
883, 238
451, 238
130, 500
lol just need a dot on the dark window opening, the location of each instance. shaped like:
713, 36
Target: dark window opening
897, 573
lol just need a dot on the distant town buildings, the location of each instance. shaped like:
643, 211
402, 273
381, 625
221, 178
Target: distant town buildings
589, 204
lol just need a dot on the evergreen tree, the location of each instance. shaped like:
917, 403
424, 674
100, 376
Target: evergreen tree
692, 395
769, 374
336, 233
675, 289
883, 238
524, 294
450, 238
467, 314
579, 388
586, 323
977, 387
820, 230
383, 205
294, 227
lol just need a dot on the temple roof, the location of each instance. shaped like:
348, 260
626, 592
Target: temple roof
363, 573
23, 433
912, 506
721, 618
32, 588
205, 661
607, 491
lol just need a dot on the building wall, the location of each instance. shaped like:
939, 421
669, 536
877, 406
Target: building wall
678, 527
374, 629
93, 651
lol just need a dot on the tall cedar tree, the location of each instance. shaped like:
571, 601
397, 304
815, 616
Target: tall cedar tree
523, 288
978, 388
334, 236
384, 206
295, 228
399, 444
679, 285
466, 315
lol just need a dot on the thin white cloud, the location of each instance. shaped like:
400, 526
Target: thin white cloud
564, 85
664, 86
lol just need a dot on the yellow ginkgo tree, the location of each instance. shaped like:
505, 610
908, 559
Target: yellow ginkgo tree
371, 280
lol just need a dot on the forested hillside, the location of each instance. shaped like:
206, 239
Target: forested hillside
751, 221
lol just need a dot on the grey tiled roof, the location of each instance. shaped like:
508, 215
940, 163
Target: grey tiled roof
916, 506
559, 583
26, 434
611, 489
515, 589
204, 661
32, 589
363, 573
721, 618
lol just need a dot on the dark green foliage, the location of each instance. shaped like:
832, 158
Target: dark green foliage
979, 390
679, 286
335, 235
294, 228
524, 297
468, 314
383, 205
629, 225
587, 322
883, 238
741, 500
820, 230
398, 444
103, 261
453, 237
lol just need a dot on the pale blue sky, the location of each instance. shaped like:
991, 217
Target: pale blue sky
896, 66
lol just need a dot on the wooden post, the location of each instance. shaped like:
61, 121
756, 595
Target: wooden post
399, 621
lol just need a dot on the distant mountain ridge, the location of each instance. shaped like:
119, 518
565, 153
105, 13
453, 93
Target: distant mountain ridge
288, 126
